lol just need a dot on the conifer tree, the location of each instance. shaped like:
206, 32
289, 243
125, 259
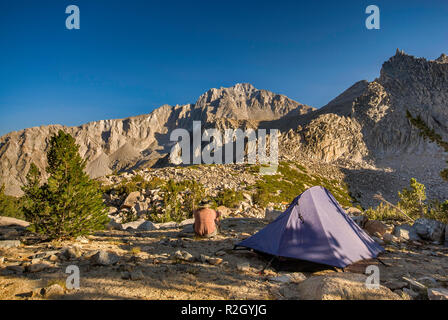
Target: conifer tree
412, 200
69, 204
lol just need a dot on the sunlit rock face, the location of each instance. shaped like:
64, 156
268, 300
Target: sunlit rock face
136, 142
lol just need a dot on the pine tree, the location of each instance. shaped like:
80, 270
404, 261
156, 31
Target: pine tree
70, 203
428, 133
412, 200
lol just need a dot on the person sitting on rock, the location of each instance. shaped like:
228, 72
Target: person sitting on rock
206, 222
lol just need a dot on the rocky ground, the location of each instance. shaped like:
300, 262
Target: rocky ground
168, 262
140, 259
144, 188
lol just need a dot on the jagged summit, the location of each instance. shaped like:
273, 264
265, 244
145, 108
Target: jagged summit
245, 102
243, 87
133, 142
442, 59
400, 52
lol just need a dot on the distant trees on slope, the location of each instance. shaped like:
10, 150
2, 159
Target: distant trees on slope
428, 133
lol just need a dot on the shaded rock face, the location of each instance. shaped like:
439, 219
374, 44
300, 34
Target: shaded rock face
367, 124
374, 114
136, 142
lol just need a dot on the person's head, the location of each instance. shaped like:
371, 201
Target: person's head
204, 204
203, 208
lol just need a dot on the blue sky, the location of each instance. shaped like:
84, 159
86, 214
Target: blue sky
132, 56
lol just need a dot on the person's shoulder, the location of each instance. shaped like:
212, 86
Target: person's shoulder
204, 211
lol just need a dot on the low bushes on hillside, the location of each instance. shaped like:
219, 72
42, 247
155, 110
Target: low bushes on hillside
291, 180
136, 183
229, 198
179, 200
413, 204
10, 206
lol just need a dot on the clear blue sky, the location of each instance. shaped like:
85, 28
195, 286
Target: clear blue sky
132, 56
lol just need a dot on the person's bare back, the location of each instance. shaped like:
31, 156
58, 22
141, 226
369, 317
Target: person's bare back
206, 222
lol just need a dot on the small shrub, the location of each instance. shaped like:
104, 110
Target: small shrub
438, 210
179, 200
136, 183
229, 198
384, 212
60, 282
128, 216
412, 199
413, 203
135, 250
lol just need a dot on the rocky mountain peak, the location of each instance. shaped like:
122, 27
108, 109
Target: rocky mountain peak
399, 52
243, 87
407, 75
245, 102
366, 125
140, 141
442, 59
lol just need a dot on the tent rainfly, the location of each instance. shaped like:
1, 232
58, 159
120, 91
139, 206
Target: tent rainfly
315, 228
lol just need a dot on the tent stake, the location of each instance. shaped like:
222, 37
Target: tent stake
381, 262
267, 265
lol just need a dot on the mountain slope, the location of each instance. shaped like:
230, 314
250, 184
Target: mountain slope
378, 109
139, 141
367, 123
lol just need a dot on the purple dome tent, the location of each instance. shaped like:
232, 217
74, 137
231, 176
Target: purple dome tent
315, 228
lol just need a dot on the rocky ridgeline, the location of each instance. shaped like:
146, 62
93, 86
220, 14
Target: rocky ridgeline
140, 141
363, 133
367, 124
374, 114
